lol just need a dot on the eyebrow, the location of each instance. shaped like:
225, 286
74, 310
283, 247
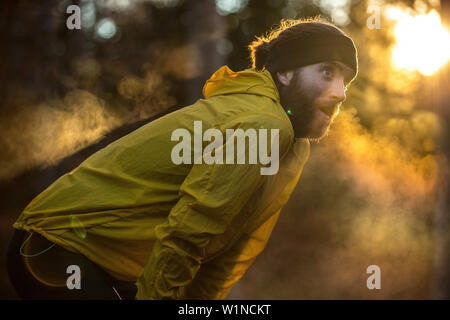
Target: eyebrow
341, 69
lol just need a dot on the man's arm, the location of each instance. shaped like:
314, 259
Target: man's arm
216, 277
210, 197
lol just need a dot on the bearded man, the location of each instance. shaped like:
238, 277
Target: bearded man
134, 224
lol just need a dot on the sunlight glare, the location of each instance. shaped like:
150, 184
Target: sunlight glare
422, 43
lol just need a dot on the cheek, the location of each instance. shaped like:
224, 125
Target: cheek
316, 88
322, 88
315, 93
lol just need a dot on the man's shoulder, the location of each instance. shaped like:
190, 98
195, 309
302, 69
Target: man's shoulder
239, 105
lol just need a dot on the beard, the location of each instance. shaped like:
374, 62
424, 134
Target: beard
302, 102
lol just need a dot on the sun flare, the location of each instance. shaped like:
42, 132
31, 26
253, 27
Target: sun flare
422, 42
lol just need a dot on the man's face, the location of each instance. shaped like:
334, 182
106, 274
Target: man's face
314, 93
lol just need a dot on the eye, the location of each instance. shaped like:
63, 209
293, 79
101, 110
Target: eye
327, 72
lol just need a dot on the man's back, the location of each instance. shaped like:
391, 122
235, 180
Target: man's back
131, 195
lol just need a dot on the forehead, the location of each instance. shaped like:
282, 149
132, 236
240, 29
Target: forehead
346, 71
343, 67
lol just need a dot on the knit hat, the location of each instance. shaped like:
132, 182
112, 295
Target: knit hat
310, 43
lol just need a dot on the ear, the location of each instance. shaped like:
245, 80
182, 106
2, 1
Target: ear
285, 77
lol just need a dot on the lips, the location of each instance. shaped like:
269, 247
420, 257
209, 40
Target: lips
328, 110
325, 115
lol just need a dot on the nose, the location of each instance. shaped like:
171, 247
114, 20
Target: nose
338, 91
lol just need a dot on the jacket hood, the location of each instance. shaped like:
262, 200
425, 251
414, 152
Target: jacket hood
250, 81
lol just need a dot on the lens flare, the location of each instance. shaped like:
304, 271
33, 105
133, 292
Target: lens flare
78, 227
422, 42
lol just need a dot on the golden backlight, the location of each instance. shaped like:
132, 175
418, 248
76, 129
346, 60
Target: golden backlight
422, 42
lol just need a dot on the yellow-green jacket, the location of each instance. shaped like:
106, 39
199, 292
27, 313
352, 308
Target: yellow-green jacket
187, 231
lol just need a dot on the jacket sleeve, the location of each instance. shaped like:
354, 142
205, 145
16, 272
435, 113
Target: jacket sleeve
216, 277
210, 197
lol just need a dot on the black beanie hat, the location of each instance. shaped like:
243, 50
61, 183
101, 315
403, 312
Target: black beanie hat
313, 42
